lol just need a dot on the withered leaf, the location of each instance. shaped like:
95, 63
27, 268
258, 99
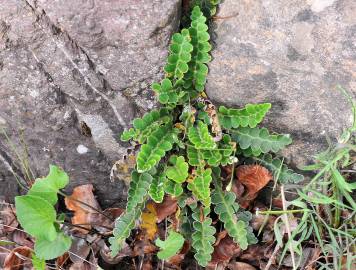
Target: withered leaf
17, 258
148, 221
166, 208
83, 215
224, 250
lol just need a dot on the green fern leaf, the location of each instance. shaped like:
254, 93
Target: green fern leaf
179, 171
202, 238
259, 140
285, 175
200, 186
200, 137
251, 115
158, 143
195, 78
195, 156
180, 54
225, 208
123, 226
139, 186
156, 191
172, 188
167, 93
207, 6
128, 135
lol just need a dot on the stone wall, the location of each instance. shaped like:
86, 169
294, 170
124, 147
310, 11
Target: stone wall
73, 74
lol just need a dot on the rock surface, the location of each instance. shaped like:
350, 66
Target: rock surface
73, 74
292, 54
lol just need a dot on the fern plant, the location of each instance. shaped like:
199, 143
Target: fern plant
182, 149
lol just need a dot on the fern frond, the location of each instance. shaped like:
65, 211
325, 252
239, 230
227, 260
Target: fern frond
156, 191
200, 186
251, 115
203, 238
207, 6
123, 227
179, 171
172, 188
180, 54
200, 137
259, 140
285, 175
195, 78
225, 208
167, 93
139, 186
158, 143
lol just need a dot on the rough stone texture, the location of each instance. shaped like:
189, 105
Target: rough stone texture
73, 74
292, 54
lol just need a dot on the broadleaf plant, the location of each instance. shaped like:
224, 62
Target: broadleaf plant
38, 217
182, 148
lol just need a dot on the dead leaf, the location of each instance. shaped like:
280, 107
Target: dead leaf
122, 169
17, 258
215, 125
143, 246
80, 248
148, 221
23, 239
166, 208
83, 215
102, 223
225, 249
240, 266
254, 178
62, 260
7, 218
105, 254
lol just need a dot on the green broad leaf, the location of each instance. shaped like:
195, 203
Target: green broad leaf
201, 186
200, 137
156, 191
249, 116
173, 188
158, 143
170, 246
37, 216
48, 250
139, 186
48, 187
38, 264
123, 227
179, 171
259, 140
285, 175
128, 135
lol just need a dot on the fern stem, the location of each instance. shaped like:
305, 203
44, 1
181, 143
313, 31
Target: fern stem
281, 212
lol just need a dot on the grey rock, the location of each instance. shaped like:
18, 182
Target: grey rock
73, 74
292, 54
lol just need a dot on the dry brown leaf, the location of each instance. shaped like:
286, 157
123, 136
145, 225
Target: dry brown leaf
166, 208
215, 125
122, 169
148, 221
62, 260
240, 266
102, 223
254, 178
80, 248
17, 258
83, 215
105, 254
7, 218
225, 249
